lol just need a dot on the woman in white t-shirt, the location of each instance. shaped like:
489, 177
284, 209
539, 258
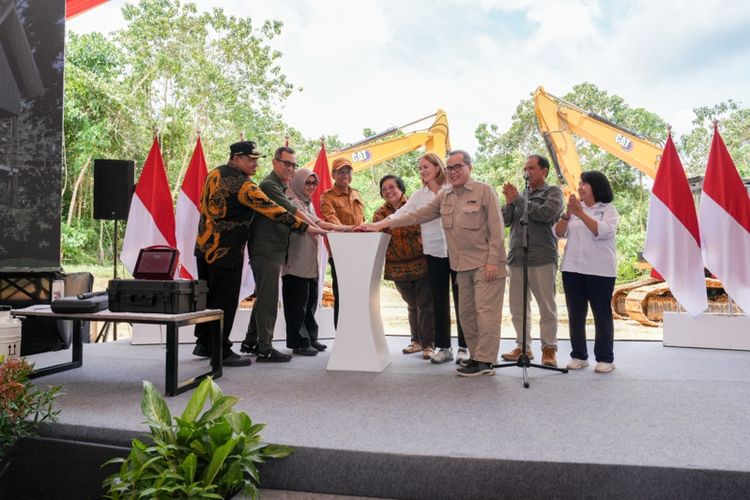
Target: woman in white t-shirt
589, 268
442, 279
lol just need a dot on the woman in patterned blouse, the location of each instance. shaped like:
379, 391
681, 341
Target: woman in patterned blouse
406, 266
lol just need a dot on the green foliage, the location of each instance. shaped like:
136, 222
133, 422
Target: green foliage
23, 406
176, 70
734, 127
631, 236
80, 241
209, 455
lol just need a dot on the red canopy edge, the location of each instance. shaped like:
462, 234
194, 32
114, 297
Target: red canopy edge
75, 7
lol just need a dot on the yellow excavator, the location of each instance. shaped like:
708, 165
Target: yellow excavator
396, 142
391, 143
558, 120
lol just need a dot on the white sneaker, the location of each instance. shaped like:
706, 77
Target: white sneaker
443, 355
462, 354
602, 367
577, 364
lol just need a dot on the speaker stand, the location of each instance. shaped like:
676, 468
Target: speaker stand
104, 331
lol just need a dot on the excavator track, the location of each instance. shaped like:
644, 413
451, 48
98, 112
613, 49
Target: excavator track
619, 310
647, 300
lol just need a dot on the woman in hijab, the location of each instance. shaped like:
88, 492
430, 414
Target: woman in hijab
300, 273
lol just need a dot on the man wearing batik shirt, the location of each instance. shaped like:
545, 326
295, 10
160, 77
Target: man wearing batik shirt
229, 201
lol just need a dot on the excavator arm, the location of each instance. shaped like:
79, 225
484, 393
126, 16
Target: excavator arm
385, 146
558, 120
646, 300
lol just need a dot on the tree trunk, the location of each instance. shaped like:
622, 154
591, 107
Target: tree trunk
183, 168
74, 194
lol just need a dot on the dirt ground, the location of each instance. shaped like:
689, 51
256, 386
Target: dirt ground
395, 319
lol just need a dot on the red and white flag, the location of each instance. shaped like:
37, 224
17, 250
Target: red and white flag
725, 224
188, 211
323, 172
324, 184
673, 244
151, 216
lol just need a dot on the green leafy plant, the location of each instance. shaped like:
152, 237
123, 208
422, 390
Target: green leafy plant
23, 406
213, 455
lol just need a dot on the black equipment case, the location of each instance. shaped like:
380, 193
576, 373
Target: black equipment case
157, 296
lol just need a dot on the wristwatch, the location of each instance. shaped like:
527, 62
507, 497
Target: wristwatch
565, 217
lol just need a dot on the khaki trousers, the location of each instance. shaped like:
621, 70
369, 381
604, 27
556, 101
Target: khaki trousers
481, 311
542, 287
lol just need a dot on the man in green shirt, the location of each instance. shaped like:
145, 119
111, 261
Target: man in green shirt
267, 246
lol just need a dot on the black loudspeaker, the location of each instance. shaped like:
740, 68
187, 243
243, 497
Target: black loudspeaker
113, 188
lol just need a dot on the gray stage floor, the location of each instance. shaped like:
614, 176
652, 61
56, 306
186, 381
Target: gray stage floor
662, 406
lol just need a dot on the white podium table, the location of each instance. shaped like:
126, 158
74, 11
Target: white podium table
360, 339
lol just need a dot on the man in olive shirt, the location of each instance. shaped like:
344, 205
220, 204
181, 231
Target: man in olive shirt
267, 246
474, 233
545, 207
229, 201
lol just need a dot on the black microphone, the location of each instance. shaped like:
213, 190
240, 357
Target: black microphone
526, 176
83, 296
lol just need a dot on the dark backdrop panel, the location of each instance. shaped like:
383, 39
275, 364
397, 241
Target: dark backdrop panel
32, 37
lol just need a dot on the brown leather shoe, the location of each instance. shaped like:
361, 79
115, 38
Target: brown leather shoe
549, 356
412, 348
515, 354
427, 352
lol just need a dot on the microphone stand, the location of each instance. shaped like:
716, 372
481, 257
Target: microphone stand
523, 360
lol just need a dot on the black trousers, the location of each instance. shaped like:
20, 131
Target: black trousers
300, 297
335, 294
443, 282
580, 291
223, 293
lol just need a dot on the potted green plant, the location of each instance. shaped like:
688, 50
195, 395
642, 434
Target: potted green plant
210, 455
23, 406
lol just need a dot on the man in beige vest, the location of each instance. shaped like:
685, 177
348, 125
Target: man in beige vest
473, 225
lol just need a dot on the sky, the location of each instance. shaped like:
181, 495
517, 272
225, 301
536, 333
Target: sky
382, 63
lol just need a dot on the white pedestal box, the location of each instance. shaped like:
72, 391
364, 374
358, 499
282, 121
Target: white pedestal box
709, 331
360, 339
156, 334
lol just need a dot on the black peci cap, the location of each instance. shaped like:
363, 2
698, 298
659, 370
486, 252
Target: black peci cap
247, 148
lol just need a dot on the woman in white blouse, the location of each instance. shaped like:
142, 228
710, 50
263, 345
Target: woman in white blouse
432, 171
589, 268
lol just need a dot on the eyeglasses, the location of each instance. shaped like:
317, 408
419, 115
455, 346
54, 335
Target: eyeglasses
311, 183
288, 164
454, 168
